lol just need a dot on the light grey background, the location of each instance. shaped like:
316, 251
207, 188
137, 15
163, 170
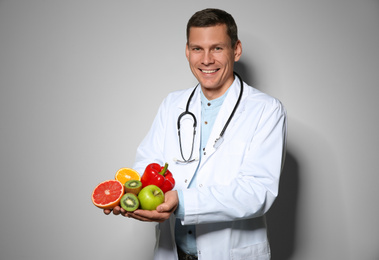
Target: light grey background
80, 85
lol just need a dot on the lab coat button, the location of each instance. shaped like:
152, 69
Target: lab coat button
200, 185
185, 181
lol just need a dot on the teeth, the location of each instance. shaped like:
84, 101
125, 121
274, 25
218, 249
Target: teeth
209, 71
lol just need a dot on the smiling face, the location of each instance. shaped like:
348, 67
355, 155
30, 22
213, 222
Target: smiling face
211, 57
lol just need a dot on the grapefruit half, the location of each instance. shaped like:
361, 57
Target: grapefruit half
107, 194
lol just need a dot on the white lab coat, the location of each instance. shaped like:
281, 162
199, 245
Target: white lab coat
236, 183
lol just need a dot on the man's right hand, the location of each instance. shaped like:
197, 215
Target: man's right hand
162, 213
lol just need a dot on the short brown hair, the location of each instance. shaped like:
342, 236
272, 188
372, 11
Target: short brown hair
211, 17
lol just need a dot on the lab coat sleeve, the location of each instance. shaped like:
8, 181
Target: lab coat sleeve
255, 187
151, 148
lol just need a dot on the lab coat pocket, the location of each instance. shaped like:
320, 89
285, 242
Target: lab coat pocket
236, 148
234, 153
254, 252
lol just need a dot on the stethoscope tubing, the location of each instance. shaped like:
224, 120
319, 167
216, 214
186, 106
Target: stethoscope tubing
187, 112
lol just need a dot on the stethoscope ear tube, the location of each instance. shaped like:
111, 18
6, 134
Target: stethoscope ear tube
187, 113
193, 138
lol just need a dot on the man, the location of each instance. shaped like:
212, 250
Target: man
222, 192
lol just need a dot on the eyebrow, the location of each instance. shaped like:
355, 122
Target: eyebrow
213, 45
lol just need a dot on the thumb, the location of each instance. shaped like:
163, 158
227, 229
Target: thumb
171, 201
164, 207
160, 208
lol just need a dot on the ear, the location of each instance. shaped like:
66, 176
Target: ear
187, 52
237, 51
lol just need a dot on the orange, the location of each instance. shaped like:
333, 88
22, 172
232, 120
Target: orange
107, 194
126, 174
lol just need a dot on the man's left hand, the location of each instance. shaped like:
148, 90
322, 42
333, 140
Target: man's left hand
162, 213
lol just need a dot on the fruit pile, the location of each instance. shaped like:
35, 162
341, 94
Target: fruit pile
131, 192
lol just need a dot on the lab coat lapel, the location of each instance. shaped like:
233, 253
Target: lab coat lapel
222, 117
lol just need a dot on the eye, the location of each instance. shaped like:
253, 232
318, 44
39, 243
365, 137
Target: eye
195, 48
218, 49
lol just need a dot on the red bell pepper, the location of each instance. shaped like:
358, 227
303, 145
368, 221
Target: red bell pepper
159, 176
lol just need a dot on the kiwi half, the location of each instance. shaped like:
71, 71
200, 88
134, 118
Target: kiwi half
133, 186
129, 202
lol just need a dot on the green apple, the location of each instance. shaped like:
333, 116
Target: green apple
150, 197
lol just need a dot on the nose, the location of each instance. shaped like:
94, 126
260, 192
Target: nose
208, 58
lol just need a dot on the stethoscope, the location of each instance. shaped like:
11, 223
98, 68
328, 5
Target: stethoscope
218, 140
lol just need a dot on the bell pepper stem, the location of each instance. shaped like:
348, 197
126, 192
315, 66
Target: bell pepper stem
163, 171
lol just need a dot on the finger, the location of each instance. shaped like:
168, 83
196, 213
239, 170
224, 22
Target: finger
152, 216
117, 210
137, 217
123, 212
